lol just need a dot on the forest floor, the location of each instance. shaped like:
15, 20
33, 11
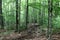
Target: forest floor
18, 36
10, 35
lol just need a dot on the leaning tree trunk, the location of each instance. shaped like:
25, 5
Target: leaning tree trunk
49, 28
1, 16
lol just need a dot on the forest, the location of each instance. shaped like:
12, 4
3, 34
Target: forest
29, 19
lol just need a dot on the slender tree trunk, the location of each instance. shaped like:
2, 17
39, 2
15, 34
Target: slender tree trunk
49, 28
17, 22
1, 16
27, 13
43, 13
41, 22
40, 19
19, 11
34, 11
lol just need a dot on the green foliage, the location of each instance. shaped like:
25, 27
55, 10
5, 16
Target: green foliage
37, 5
56, 22
9, 13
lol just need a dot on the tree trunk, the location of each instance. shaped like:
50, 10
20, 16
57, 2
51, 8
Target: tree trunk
1, 16
27, 13
34, 11
49, 28
17, 22
19, 11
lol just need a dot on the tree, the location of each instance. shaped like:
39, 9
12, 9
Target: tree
49, 28
34, 14
27, 12
19, 11
18, 15
1, 16
17, 22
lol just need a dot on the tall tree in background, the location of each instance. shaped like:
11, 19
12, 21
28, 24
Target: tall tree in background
49, 28
19, 11
34, 11
17, 22
40, 18
1, 16
27, 12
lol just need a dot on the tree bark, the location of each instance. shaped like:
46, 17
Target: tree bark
19, 11
49, 28
17, 22
1, 16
